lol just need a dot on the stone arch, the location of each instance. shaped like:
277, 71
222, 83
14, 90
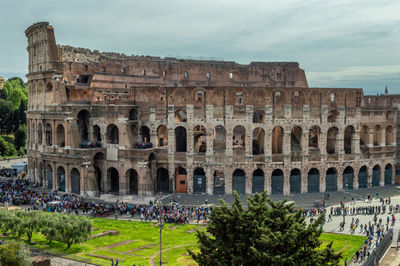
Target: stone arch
49, 174
112, 134
258, 116
180, 139
277, 140
113, 180
295, 181
83, 118
364, 135
376, 175
377, 135
60, 135
348, 178
258, 181
389, 135
144, 134
219, 139
239, 137
133, 114
99, 163
388, 174
313, 180
363, 177
199, 180
96, 133
277, 182
239, 181
61, 178
180, 116
331, 140
258, 141
349, 132
219, 183
180, 180
75, 181
295, 143
162, 180
199, 139
313, 137
132, 179
162, 136
331, 179
48, 135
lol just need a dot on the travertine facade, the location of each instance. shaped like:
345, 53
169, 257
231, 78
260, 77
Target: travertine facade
106, 123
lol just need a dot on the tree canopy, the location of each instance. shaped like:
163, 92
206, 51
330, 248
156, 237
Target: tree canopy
266, 233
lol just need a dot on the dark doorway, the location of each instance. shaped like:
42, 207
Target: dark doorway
277, 182
239, 181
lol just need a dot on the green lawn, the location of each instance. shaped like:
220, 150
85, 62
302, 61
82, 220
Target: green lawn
142, 243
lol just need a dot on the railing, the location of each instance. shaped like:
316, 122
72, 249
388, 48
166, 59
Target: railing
378, 253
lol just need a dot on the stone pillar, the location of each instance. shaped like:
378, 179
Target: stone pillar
209, 182
83, 179
371, 137
189, 171
286, 181
55, 179
268, 145
304, 181
340, 144
383, 137
340, 179
171, 176
304, 146
67, 179
53, 135
355, 144
268, 181
370, 175
355, 179
228, 179
286, 145
322, 180
322, 144
382, 176
210, 141
249, 183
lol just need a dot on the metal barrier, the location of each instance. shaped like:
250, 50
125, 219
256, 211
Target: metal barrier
374, 258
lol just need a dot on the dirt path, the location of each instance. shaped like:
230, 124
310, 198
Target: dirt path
152, 263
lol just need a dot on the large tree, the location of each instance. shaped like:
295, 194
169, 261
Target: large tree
266, 233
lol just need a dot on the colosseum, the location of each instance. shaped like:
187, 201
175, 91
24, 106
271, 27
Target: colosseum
102, 124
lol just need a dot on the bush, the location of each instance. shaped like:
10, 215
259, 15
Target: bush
14, 254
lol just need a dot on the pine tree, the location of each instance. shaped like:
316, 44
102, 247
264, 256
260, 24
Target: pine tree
266, 233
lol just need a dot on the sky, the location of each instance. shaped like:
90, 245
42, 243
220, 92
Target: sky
341, 43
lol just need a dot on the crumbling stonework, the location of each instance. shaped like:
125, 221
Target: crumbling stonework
107, 123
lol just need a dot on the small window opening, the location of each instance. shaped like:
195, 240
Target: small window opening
124, 70
164, 74
86, 68
199, 96
208, 75
144, 72
240, 100
296, 94
231, 75
186, 75
104, 69
278, 95
279, 75
332, 97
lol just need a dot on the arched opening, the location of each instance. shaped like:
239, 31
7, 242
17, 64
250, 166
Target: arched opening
180, 116
376, 175
239, 181
134, 136
40, 134
112, 134
180, 139
239, 139
219, 139
83, 124
98, 163
389, 136
133, 181
97, 176
313, 137
199, 139
258, 141
162, 136
277, 182
363, 177
181, 180
348, 140
61, 178
145, 135
133, 114
60, 135
162, 180
258, 116
96, 133
332, 116
331, 143
388, 174
49, 173
295, 181
348, 178
331, 180
295, 143
199, 181
313, 180
364, 136
277, 140
377, 135
113, 180
258, 181
219, 183
75, 181
48, 135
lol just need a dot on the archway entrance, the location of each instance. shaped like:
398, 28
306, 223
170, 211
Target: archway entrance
239, 181
219, 183
61, 178
313, 180
277, 182
295, 181
113, 180
331, 180
132, 178
49, 173
388, 174
199, 181
75, 181
162, 180
348, 178
376, 175
258, 181
363, 177
181, 180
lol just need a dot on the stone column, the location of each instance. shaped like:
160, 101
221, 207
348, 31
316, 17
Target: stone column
340, 144
322, 180
286, 181
67, 179
371, 137
304, 181
355, 179
209, 182
55, 179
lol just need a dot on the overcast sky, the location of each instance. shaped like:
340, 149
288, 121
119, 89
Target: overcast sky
340, 43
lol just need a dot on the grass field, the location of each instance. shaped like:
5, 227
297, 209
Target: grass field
138, 243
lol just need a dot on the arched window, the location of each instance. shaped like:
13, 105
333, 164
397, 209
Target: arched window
258, 141
83, 124
295, 143
348, 140
49, 135
377, 135
162, 136
219, 139
112, 134
331, 140
60, 134
389, 136
199, 139
277, 140
180, 139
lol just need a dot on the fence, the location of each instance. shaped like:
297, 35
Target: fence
378, 253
